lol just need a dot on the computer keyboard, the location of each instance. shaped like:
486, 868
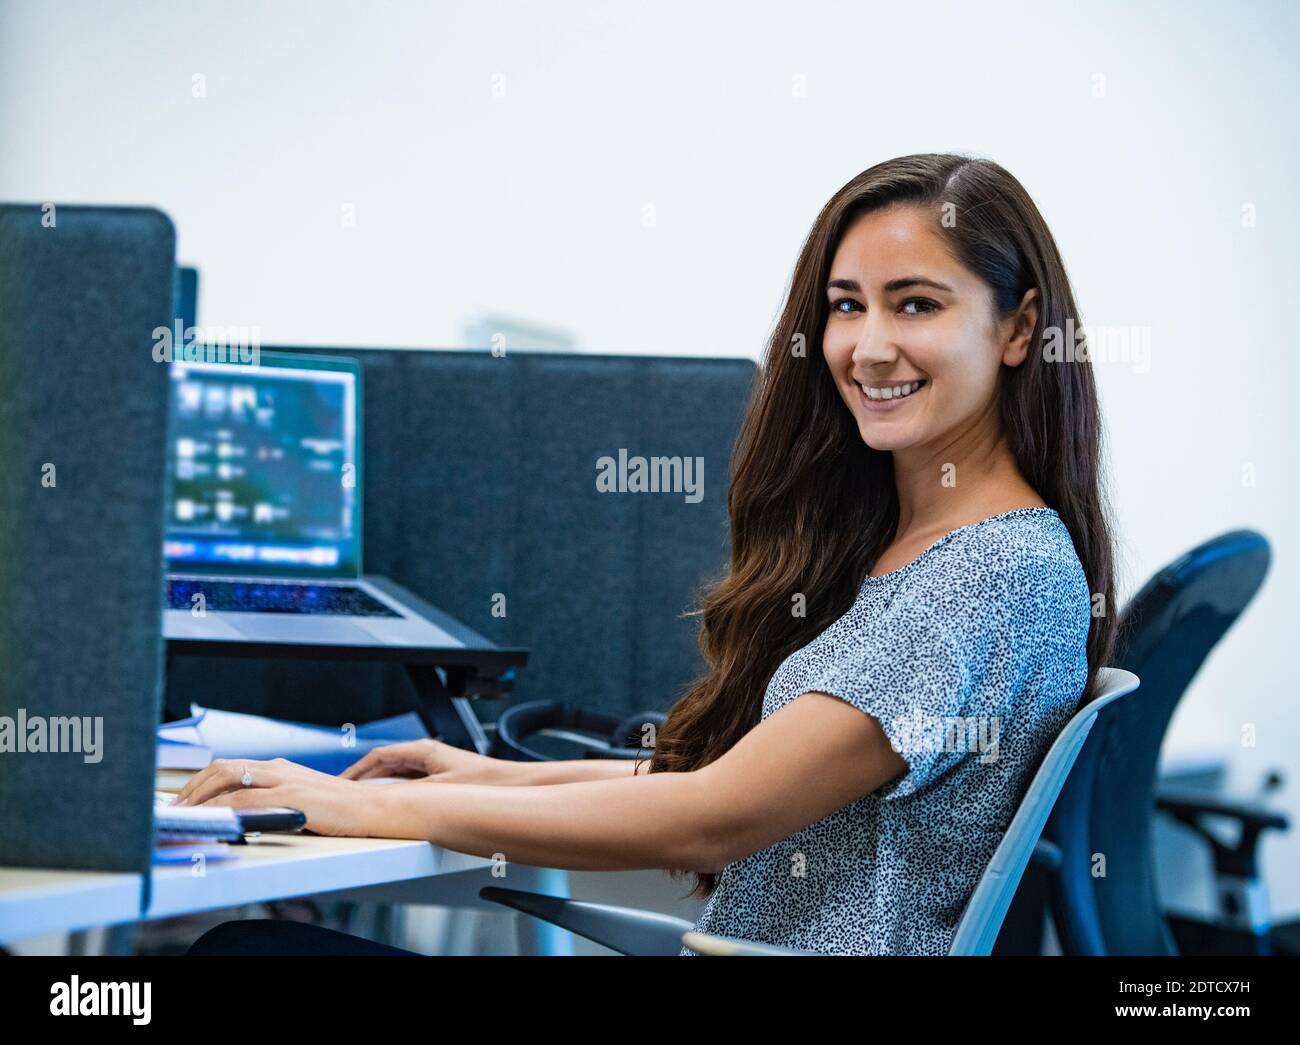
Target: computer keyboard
254, 597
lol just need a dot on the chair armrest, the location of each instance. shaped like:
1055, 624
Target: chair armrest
726, 947
629, 754
1183, 803
622, 929
1240, 860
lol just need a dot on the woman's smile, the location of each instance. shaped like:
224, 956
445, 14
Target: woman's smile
881, 398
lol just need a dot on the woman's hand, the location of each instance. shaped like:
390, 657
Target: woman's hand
332, 806
427, 759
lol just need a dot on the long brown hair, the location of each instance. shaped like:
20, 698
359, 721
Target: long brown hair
812, 506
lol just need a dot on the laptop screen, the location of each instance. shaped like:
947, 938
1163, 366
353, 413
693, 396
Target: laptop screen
263, 467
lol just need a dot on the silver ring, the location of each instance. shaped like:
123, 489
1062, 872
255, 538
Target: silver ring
247, 778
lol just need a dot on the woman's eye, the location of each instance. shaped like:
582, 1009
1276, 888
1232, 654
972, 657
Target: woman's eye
924, 306
931, 306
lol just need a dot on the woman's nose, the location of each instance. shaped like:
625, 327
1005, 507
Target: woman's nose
875, 343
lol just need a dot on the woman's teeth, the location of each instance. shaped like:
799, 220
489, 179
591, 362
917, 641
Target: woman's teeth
894, 392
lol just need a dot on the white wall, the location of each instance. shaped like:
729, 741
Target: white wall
531, 203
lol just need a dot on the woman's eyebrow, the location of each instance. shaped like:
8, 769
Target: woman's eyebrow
853, 287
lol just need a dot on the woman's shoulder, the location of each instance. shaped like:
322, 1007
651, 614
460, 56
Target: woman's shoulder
1016, 535
1023, 553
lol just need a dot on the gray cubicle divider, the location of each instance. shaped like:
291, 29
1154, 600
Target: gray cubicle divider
481, 496
83, 409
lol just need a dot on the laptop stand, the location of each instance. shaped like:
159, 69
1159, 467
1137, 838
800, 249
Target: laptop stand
445, 679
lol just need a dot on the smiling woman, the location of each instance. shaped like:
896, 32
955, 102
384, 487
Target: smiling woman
917, 534
927, 415
886, 343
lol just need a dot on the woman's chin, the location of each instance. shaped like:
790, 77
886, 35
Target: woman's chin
884, 436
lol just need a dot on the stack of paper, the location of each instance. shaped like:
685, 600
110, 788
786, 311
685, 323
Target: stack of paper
174, 823
182, 834
180, 745
329, 749
192, 743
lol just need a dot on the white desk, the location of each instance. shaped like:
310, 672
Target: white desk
272, 867
33, 902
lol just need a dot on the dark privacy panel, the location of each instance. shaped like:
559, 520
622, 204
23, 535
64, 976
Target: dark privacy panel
480, 492
82, 430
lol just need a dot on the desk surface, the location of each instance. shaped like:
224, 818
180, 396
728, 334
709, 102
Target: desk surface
281, 866
270, 867
36, 901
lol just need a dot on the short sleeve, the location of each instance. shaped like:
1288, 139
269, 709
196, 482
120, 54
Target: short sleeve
936, 667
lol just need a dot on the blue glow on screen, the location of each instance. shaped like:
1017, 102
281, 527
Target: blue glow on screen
262, 468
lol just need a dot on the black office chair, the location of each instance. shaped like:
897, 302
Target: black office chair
543, 730
1106, 810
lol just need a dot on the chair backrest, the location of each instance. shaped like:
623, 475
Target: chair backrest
83, 408
982, 919
480, 481
1165, 634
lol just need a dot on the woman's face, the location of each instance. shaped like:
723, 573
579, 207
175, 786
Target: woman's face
911, 339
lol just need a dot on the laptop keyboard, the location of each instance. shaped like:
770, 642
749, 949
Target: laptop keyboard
251, 597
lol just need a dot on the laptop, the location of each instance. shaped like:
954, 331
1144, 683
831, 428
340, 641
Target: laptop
263, 507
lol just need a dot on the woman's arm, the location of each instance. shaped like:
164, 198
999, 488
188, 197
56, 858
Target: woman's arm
573, 771
809, 759
605, 825
433, 760
812, 757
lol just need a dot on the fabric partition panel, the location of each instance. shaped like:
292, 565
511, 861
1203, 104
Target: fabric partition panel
83, 408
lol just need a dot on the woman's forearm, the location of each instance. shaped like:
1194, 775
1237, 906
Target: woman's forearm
654, 821
570, 771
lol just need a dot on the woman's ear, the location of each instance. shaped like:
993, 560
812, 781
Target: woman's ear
1022, 329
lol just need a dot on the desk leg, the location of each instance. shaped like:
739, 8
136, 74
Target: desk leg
536, 937
116, 940
450, 719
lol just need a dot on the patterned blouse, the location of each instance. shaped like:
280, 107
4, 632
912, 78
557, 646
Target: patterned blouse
972, 657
